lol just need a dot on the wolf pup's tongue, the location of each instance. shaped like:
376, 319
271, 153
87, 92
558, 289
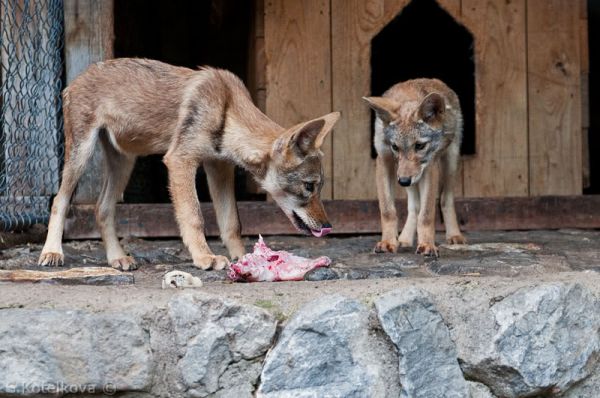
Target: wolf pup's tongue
322, 232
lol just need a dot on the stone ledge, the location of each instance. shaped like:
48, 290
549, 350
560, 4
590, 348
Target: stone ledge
514, 338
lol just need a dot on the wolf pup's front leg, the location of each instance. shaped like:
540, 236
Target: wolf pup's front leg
426, 219
182, 176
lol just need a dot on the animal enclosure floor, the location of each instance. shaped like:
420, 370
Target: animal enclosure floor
504, 254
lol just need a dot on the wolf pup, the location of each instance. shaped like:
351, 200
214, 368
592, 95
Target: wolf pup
418, 131
138, 107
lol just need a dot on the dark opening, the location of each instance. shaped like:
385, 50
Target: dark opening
188, 33
594, 98
425, 41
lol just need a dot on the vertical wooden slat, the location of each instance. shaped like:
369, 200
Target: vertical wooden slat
89, 38
298, 54
585, 93
499, 167
453, 7
554, 97
354, 24
257, 71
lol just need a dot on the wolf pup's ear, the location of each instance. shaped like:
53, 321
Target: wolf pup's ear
383, 107
310, 135
432, 108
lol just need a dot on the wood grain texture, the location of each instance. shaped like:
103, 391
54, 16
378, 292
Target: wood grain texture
98, 276
298, 56
554, 76
89, 38
353, 24
499, 167
352, 216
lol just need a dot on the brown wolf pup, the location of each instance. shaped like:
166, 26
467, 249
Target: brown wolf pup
418, 131
138, 107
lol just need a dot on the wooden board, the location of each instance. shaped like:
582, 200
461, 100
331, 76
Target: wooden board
89, 38
298, 54
499, 167
585, 94
554, 97
98, 276
351, 216
353, 24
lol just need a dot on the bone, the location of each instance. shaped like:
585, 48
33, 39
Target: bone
180, 280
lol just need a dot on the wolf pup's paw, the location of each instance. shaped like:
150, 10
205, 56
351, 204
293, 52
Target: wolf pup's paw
386, 246
126, 263
209, 261
427, 250
51, 259
456, 240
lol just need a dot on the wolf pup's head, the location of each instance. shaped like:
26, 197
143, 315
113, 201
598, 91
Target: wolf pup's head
414, 133
294, 176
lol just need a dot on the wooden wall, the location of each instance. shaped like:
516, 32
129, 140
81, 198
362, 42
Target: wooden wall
531, 70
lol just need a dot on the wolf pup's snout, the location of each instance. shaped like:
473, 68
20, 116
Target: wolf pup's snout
404, 181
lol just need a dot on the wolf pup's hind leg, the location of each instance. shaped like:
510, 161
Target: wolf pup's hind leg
117, 170
77, 155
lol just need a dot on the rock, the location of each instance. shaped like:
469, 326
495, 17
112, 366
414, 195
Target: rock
428, 362
321, 274
589, 387
329, 349
220, 344
65, 351
478, 390
542, 340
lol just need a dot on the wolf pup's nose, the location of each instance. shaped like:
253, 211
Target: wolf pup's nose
404, 181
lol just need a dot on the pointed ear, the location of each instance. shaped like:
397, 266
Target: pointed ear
310, 135
384, 107
432, 108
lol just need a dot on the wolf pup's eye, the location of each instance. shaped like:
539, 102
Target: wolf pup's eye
419, 146
395, 147
310, 186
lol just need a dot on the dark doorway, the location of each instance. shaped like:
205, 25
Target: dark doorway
188, 33
594, 96
425, 41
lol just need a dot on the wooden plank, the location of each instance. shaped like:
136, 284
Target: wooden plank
453, 7
98, 276
554, 97
585, 95
351, 216
499, 167
353, 24
298, 54
89, 38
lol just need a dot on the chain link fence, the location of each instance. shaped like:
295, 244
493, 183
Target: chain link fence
31, 68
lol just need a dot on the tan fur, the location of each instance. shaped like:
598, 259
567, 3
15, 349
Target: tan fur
418, 131
138, 107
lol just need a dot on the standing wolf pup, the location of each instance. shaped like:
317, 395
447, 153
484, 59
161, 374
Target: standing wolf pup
418, 131
138, 107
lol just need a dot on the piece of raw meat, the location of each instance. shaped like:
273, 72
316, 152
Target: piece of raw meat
266, 265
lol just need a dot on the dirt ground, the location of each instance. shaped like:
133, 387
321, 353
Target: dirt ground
492, 261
